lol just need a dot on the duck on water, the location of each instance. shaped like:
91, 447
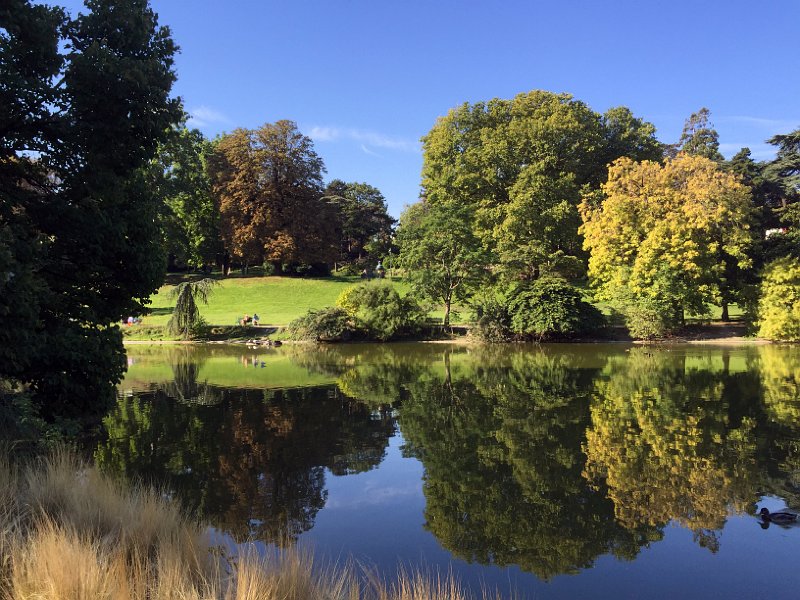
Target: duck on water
780, 517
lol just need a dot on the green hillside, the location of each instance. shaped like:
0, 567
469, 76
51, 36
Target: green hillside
276, 300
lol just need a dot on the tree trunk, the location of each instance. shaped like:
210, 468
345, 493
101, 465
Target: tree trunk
226, 264
446, 320
725, 316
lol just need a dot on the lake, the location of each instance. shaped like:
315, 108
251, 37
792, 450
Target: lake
558, 471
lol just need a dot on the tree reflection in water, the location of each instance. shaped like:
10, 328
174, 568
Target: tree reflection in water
662, 442
503, 466
253, 465
543, 457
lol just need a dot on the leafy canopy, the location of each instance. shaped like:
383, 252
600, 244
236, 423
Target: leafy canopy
268, 186
442, 257
518, 166
779, 305
664, 232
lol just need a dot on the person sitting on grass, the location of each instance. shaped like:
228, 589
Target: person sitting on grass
246, 320
255, 319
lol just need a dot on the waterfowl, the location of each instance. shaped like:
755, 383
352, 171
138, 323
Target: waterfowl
780, 517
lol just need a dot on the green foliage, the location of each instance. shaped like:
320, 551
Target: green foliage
785, 169
627, 135
551, 308
380, 311
186, 320
190, 219
779, 305
699, 138
365, 224
492, 322
515, 169
331, 324
442, 258
89, 97
650, 318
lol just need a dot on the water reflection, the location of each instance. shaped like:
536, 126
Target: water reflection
664, 442
542, 457
253, 465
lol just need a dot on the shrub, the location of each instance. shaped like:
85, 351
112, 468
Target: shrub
380, 311
648, 319
329, 324
551, 308
779, 304
492, 323
652, 316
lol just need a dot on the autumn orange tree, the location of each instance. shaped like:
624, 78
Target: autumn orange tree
663, 237
267, 183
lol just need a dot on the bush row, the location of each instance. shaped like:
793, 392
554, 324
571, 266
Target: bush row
541, 310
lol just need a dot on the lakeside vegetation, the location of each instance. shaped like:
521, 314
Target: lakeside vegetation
531, 208
69, 531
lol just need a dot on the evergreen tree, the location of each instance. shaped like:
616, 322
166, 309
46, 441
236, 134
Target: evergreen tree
84, 102
699, 138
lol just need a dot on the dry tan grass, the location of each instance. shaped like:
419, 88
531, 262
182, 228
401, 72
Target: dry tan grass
68, 532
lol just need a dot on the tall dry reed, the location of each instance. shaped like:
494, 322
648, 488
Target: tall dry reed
69, 532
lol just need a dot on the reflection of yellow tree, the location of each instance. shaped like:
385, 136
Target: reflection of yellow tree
780, 380
660, 441
780, 373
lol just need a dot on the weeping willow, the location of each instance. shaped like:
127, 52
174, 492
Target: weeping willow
186, 314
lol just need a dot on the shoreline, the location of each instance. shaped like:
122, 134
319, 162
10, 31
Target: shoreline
462, 341
716, 333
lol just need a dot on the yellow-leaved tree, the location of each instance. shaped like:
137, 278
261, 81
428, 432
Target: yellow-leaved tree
665, 239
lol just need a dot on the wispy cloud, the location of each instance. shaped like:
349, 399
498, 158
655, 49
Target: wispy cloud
366, 150
367, 139
204, 116
785, 125
375, 496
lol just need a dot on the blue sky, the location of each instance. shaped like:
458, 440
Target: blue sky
367, 78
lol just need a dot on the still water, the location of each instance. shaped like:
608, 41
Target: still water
603, 471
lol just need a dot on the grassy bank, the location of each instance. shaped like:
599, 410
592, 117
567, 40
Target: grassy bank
276, 300
68, 531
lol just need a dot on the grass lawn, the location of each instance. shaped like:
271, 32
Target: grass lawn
277, 300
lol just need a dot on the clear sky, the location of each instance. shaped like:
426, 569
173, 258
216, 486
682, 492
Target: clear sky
367, 78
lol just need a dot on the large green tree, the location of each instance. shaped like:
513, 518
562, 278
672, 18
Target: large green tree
518, 166
84, 102
267, 183
365, 224
785, 169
